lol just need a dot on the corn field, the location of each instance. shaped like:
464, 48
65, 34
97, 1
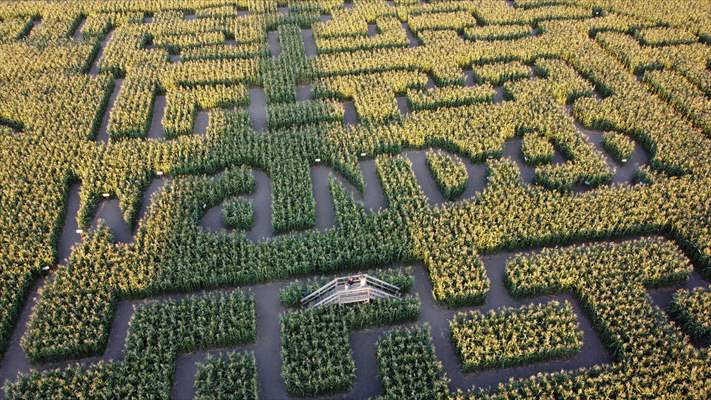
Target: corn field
175, 176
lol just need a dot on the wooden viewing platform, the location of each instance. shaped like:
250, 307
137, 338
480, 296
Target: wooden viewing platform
361, 288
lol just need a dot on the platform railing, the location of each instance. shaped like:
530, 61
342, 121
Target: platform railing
351, 289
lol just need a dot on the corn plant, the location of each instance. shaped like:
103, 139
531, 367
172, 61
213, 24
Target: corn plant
664, 36
449, 173
508, 336
536, 149
683, 94
303, 113
390, 34
610, 278
498, 73
408, 366
316, 354
449, 96
619, 145
157, 333
691, 309
497, 32
223, 378
238, 214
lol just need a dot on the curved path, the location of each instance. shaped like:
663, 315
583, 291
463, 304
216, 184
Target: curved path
14, 360
373, 198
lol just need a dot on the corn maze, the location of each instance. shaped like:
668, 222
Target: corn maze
533, 175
